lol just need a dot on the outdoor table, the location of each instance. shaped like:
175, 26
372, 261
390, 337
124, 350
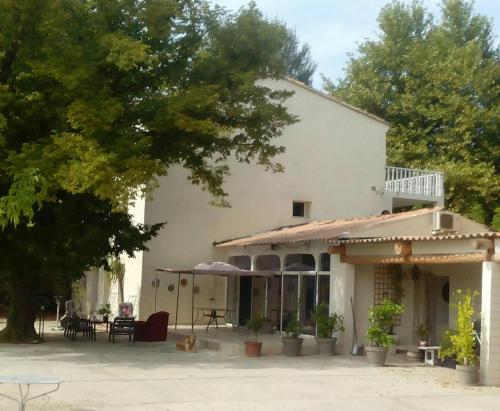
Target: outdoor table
214, 313
27, 381
430, 354
93, 324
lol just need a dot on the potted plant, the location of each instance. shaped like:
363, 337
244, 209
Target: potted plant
105, 311
267, 326
326, 325
462, 344
422, 333
292, 343
253, 348
381, 318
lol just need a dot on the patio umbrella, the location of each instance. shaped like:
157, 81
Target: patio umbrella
213, 268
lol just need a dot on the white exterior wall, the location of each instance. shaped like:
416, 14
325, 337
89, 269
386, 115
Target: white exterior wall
334, 156
490, 325
132, 283
363, 299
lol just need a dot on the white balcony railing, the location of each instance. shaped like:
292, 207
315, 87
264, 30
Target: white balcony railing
414, 182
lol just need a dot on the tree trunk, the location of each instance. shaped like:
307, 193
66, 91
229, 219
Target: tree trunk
22, 312
120, 290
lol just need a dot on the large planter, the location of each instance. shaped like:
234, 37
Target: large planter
468, 374
292, 346
253, 348
326, 346
267, 328
376, 355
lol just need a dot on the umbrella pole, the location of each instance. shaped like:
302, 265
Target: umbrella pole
192, 307
177, 303
265, 298
281, 304
316, 302
156, 286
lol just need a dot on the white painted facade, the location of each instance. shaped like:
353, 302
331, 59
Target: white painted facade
334, 156
335, 163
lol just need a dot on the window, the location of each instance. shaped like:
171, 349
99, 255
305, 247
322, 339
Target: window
324, 262
268, 262
300, 262
240, 261
301, 208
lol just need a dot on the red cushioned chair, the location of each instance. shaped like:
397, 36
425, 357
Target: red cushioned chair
154, 329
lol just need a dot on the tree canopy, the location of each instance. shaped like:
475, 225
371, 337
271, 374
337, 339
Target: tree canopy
101, 97
98, 98
437, 83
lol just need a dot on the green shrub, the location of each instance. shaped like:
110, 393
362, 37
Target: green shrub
293, 328
255, 325
381, 318
423, 331
105, 310
327, 324
462, 340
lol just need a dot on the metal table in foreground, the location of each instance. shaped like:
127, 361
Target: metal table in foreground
213, 314
25, 382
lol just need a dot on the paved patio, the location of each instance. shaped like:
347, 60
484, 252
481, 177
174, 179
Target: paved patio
154, 376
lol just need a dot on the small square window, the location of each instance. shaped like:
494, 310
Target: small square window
300, 209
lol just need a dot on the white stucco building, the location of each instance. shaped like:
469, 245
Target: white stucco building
305, 225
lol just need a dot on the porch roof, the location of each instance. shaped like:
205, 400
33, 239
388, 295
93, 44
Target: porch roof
452, 236
325, 230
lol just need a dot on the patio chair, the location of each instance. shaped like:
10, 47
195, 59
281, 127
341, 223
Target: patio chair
154, 329
70, 314
122, 326
126, 310
79, 325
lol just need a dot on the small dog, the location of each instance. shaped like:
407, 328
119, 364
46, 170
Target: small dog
187, 344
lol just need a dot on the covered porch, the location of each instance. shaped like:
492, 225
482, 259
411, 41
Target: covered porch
423, 272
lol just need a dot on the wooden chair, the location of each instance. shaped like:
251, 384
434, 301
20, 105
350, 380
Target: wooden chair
122, 326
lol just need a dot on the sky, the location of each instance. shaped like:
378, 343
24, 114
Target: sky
333, 28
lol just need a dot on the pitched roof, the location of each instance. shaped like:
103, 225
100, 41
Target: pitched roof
327, 230
337, 100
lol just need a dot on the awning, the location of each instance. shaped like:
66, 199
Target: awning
218, 268
214, 268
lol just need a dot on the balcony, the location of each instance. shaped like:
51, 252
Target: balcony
409, 186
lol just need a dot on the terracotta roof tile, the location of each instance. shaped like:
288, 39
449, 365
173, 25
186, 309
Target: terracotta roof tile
325, 230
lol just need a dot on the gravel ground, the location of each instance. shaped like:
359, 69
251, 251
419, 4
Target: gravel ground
154, 376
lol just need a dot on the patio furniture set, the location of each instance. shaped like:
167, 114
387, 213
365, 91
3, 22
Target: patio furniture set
154, 329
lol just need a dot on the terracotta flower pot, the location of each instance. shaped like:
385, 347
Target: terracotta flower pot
376, 355
253, 348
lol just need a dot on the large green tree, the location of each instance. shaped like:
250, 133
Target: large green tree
437, 83
98, 98
65, 238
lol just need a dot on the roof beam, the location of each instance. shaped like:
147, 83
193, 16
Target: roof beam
415, 259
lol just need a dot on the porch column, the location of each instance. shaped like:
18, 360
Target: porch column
490, 324
341, 291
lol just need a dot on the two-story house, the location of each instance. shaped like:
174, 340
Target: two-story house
325, 227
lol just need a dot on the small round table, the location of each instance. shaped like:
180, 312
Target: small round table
25, 382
